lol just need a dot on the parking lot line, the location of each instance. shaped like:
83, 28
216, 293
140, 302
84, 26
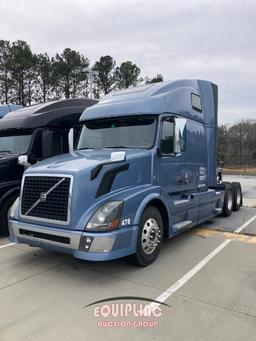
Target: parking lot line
184, 279
241, 228
6, 245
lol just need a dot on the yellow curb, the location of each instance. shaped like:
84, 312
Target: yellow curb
227, 235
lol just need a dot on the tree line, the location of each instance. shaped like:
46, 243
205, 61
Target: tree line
237, 145
27, 77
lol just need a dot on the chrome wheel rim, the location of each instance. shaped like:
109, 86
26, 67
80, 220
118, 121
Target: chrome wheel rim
151, 236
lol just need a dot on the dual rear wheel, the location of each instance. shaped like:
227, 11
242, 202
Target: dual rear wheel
237, 195
233, 198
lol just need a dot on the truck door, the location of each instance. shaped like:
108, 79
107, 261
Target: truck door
176, 174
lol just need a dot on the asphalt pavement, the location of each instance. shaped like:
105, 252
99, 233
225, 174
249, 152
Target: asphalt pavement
206, 278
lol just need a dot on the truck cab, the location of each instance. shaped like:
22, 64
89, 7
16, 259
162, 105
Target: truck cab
144, 170
30, 135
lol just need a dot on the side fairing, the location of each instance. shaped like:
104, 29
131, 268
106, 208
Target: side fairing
209, 94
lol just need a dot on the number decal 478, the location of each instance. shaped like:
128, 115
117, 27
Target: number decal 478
126, 222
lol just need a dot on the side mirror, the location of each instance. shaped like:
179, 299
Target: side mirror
23, 161
180, 135
71, 140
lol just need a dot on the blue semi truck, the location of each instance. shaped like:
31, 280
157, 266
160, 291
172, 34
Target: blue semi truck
144, 170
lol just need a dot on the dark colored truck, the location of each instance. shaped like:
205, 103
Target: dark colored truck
144, 170
30, 135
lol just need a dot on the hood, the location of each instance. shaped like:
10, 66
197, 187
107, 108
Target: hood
82, 161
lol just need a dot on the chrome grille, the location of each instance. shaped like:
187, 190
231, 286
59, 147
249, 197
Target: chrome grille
46, 197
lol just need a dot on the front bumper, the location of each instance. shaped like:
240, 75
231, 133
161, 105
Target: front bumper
102, 245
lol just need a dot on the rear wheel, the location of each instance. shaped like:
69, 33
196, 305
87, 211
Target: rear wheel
237, 195
228, 201
150, 237
4, 213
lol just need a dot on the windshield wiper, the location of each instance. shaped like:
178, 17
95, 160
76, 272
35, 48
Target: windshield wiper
6, 151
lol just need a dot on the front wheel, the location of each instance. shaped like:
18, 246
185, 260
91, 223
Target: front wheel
4, 213
150, 237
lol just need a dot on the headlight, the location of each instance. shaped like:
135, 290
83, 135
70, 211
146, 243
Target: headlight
107, 217
14, 208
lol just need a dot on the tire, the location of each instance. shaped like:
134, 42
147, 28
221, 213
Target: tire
228, 201
4, 211
237, 195
150, 237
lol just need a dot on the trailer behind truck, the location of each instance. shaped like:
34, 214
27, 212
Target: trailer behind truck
144, 170
30, 135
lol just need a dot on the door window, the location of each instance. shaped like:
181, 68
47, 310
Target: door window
58, 143
180, 135
167, 137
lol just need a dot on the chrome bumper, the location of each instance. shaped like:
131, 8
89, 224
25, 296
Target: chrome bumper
16, 228
102, 246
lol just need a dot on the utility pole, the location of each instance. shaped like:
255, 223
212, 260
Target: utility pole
90, 73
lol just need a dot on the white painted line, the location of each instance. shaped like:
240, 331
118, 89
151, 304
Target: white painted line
241, 228
6, 245
183, 280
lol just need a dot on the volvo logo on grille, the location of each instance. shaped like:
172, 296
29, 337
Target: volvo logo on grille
43, 197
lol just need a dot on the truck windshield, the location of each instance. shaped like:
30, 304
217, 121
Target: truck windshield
15, 144
119, 132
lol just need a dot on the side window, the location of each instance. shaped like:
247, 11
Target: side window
57, 143
54, 142
180, 135
196, 102
36, 152
167, 137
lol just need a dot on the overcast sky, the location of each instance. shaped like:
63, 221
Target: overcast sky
214, 40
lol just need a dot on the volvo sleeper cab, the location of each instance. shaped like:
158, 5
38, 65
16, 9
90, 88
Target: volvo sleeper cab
144, 170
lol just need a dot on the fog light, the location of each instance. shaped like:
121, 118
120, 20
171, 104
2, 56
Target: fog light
102, 244
85, 243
